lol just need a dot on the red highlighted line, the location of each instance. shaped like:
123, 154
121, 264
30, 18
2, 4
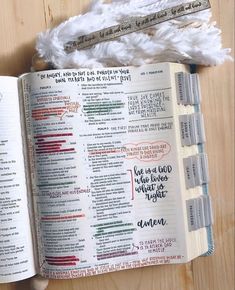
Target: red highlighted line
47, 113
52, 218
62, 264
47, 109
41, 151
62, 261
40, 142
53, 135
49, 146
41, 118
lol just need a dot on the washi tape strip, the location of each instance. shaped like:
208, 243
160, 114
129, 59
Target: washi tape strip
135, 24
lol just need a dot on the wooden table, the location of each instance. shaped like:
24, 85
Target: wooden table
21, 20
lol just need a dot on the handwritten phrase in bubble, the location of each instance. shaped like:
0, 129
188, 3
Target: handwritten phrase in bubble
147, 151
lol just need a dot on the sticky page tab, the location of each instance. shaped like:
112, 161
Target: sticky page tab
180, 87
207, 210
199, 212
196, 90
188, 88
191, 213
199, 128
184, 88
185, 130
196, 170
188, 173
192, 130
204, 167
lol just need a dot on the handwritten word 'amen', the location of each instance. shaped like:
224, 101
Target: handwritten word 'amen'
151, 223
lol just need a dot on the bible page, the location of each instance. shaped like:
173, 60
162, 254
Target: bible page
104, 166
16, 249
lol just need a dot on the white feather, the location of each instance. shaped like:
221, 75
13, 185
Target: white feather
38, 283
189, 39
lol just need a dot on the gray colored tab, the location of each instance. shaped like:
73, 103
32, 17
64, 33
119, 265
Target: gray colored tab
196, 170
199, 128
204, 167
185, 130
196, 91
189, 178
191, 214
199, 212
180, 87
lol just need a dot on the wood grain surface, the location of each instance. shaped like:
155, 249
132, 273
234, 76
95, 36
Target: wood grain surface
21, 21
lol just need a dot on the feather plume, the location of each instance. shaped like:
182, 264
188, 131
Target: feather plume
187, 39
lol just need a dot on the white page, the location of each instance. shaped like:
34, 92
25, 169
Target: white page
98, 138
16, 250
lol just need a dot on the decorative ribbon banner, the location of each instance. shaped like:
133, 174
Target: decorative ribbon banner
136, 24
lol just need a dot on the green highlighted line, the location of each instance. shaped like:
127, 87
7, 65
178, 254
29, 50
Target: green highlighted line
114, 226
105, 107
114, 232
110, 223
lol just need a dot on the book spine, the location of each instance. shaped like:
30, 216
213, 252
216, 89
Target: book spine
192, 131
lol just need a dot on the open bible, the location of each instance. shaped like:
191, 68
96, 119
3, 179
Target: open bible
101, 170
